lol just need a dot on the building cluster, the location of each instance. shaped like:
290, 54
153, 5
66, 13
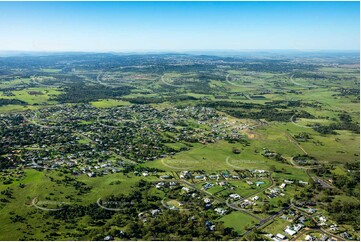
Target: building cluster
87, 140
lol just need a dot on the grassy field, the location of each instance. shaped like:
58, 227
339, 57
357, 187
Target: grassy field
108, 103
16, 108
238, 221
51, 70
17, 82
219, 156
277, 226
48, 193
208, 157
39, 96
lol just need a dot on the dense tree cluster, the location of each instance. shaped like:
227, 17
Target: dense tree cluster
347, 211
79, 93
272, 111
157, 99
349, 91
4, 102
344, 124
305, 160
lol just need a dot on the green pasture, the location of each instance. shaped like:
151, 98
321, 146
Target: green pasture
238, 221
108, 103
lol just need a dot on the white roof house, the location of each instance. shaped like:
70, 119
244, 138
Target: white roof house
298, 227
186, 189
155, 212
207, 200
220, 211
235, 196
259, 171
280, 236
308, 237
159, 185
290, 231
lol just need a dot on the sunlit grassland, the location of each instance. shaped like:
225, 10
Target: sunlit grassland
340, 147
41, 99
276, 226
331, 102
51, 70
343, 147
239, 221
15, 82
199, 96
342, 70
107, 103
101, 186
219, 156
16, 108
135, 95
38, 185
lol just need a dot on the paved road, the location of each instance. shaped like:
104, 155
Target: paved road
235, 207
308, 169
325, 183
290, 138
167, 83
248, 97
264, 221
299, 84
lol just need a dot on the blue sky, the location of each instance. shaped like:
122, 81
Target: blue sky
122, 26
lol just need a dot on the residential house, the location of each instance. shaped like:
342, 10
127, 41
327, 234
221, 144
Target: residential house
155, 212
108, 238
309, 238
207, 200
235, 196
220, 211
290, 231
186, 189
280, 236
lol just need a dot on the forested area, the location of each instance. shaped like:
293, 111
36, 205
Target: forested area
4, 102
78, 93
345, 123
273, 111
